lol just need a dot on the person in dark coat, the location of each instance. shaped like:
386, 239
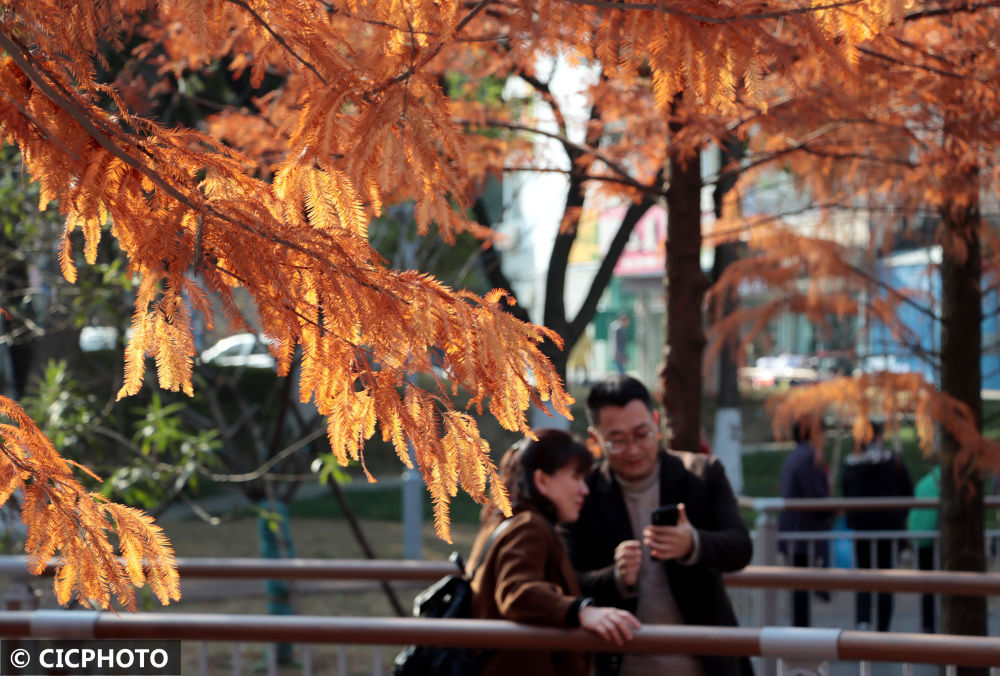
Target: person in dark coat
805, 474
526, 575
875, 471
665, 574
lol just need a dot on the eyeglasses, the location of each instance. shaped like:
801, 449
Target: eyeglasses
622, 443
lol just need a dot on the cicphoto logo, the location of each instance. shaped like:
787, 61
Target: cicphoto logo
41, 658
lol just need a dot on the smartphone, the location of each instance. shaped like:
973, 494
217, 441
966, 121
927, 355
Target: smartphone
665, 516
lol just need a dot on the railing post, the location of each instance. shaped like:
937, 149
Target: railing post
767, 542
413, 493
767, 547
412, 500
801, 651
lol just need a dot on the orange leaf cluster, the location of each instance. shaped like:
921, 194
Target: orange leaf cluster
66, 520
892, 396
811, 276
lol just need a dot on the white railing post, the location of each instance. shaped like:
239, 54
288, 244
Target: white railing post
412, 493
307, 659
272, 660
802, 651
767, 547
342, 659
238, 659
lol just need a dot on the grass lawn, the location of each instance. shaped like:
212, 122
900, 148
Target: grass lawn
378, 502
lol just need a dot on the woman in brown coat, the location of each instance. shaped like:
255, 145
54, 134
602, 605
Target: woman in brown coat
526, 575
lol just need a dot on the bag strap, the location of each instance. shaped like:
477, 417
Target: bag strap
497, 532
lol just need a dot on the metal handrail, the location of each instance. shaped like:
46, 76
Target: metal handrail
772, 505
757, 577
819, 644
848, 579
286, 569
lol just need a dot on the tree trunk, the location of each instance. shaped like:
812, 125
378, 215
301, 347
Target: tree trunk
685, 286
962, 517
727, 442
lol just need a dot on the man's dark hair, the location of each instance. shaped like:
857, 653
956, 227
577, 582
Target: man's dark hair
802, 430
616, 391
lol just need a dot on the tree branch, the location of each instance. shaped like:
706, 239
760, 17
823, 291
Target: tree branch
546, 93
277, 38
663, 9
262, 470
606, 269
492, 264
626, 178
953, 9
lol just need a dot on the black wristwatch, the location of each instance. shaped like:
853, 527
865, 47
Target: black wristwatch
573, 612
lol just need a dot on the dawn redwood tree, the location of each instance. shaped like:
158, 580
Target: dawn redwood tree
360, 121
622, 151
906, 137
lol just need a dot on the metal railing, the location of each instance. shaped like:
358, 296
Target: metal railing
287, 569
776, 505
754, 577
813, 646
764, 580
805, 646
767, 537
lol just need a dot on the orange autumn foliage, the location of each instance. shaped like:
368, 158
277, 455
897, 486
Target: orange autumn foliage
62, 516
901, 145
361, 120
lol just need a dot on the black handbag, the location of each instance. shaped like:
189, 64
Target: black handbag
449, 597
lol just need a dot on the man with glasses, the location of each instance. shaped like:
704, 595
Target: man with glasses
663, 574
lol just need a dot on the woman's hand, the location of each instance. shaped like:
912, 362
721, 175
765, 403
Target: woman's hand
628, 557
612, 624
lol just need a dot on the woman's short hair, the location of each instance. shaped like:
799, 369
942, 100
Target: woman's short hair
551, 451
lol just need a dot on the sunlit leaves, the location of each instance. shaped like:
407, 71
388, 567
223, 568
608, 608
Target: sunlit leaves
361, 120
66, 521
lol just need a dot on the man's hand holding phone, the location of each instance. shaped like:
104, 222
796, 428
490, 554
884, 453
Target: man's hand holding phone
669, 541
665, 515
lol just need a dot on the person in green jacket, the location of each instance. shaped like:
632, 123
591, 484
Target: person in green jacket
924, 519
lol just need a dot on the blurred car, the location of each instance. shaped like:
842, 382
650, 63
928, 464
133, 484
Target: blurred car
783, 369
97, 338
240, 350
888, 363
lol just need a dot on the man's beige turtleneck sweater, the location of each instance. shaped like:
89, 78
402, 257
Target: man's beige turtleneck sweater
656, 603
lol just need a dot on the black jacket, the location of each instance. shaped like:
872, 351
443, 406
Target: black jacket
875, 472
802, 477
699, 481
